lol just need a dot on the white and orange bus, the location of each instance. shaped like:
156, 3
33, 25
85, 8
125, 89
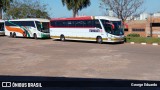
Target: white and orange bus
87, 28
31, 28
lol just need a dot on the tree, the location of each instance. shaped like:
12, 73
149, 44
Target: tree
122, 8
27, 9
76, 5
4, 5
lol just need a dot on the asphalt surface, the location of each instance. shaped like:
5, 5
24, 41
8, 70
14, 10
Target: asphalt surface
29, 57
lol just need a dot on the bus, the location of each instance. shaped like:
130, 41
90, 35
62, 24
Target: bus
29, 27
87, 28
2, 27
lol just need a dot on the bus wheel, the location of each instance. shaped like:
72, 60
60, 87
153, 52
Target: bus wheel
99, 40
11, 35
35, 36
62, 38
14, 35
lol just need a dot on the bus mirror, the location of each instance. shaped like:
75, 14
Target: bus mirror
112, 26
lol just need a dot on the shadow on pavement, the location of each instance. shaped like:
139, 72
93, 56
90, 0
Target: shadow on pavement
2, 36
93, 42
68, 83
25, 38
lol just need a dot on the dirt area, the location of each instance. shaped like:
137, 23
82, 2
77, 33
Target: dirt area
29, 57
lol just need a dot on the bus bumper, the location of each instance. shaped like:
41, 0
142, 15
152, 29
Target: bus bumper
2, 33
114, 40
45, 36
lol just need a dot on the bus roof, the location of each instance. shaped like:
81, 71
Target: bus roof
31, 19
108, 18
88, 18
76, 18
1, 20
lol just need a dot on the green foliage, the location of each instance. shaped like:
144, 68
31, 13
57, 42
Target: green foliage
76, 5
152, 40
4, 4
27, 9
133, 35
148, 40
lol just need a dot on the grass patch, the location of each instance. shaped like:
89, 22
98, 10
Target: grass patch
148, 40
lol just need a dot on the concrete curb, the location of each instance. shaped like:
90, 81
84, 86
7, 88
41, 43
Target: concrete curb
154, 44
144, 43
132, 43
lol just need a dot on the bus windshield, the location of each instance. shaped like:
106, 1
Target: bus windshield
43, 26
1, 26
113, 27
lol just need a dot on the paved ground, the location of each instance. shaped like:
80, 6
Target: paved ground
29, 57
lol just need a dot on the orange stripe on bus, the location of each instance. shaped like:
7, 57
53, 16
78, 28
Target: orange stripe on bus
14, 29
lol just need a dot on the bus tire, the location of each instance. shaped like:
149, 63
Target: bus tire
14, 35
35, 36
99, 40
11, 35
62, 38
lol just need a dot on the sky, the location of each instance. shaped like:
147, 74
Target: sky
57, 10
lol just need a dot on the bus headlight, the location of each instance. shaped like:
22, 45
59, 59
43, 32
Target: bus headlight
117, 38
109, 39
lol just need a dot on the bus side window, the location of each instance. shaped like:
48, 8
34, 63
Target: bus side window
78, 24
89, 23
1, 27
29, 24
97, 24
57, 23
53, 23
69, 23
63, 23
